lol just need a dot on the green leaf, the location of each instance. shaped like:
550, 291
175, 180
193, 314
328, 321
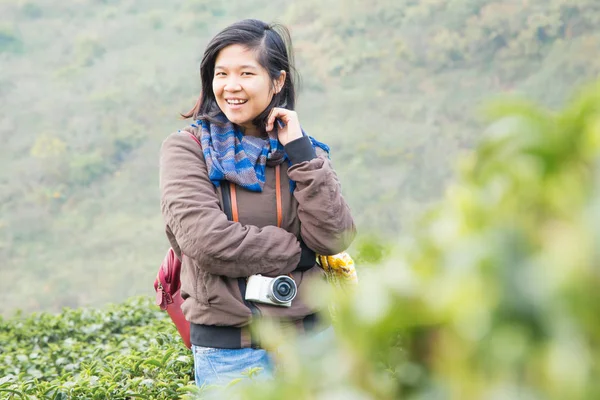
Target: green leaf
15, 392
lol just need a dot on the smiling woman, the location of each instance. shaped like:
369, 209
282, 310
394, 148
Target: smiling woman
249, 61
242, 88
229, 210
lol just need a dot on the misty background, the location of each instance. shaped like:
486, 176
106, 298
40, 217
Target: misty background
90, 88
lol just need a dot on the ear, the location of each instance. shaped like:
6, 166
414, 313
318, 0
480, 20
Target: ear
280, 81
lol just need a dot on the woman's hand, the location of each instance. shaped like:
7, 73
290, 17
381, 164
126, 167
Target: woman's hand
291, 129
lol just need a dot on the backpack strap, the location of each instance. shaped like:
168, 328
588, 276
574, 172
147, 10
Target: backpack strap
195, 138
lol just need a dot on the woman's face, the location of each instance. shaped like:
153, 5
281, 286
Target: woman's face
242, 87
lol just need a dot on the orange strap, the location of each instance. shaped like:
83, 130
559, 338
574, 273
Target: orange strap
234, 207
278, 194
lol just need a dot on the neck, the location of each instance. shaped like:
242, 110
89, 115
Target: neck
251, 131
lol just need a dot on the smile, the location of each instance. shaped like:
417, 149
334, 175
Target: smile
235, 102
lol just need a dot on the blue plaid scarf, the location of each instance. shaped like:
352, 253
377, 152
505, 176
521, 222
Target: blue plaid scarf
240, 159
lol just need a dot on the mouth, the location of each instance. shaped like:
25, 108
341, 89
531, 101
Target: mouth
236, 103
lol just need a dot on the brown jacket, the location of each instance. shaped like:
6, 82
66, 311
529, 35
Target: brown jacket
218, 252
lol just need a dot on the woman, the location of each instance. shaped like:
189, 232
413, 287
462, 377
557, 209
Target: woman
257, 196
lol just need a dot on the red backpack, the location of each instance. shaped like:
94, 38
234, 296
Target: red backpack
168, 285
168, 296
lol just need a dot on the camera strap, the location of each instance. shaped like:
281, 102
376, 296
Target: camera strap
278, 194
234, 208
231, 210
233, 200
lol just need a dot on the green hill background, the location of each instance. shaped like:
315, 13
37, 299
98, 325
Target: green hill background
90, 88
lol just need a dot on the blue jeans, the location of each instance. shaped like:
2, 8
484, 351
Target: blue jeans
214, 366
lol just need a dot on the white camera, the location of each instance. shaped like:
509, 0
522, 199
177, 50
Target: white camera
279, 291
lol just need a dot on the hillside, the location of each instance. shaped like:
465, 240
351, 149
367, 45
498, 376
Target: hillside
89, 89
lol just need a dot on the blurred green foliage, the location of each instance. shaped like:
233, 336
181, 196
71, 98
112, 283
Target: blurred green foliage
89, 89
495, 292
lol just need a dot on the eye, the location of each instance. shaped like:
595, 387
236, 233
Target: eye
247, 73
220, 74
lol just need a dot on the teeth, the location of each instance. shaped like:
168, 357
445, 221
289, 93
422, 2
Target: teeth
236, 101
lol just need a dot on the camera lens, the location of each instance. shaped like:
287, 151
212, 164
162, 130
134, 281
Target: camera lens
283, 289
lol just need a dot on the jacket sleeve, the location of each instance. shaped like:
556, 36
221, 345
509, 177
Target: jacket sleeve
327, 226
190, 207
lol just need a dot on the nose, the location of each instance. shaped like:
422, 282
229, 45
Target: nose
232, 85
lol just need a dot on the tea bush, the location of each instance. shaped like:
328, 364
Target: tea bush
130, 350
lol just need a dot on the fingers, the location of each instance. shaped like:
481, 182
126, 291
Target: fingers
283, 114
275, 113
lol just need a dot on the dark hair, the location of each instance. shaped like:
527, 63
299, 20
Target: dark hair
273, 46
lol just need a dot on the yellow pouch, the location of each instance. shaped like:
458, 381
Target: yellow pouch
339, 269
340, 272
